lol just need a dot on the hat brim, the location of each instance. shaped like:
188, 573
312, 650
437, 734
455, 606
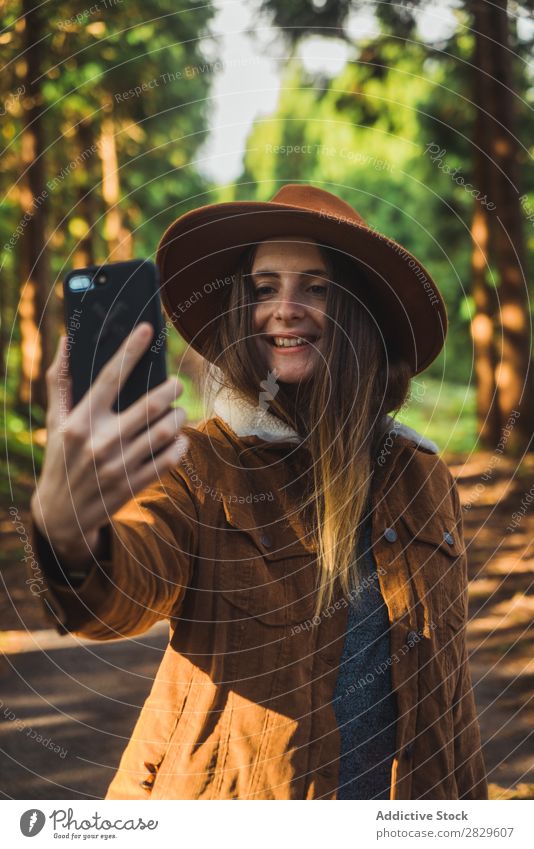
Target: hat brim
199, 253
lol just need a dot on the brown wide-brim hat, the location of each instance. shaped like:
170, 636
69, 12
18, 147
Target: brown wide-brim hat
199, 253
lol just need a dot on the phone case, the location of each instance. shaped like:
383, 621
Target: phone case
99, 317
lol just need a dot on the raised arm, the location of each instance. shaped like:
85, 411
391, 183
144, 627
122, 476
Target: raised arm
140, 573
96, 462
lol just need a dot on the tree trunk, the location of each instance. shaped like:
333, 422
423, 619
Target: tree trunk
483, 324
84, 253
119, 239
482, 332
513, 374
33, 320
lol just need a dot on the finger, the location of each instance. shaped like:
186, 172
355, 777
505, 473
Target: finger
149, 407
118, 369
162, 462
138, 480
58, 385
150, 442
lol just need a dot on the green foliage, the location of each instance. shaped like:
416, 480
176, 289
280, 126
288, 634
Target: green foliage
141, 64
21, 458
364, 135
444, 412
305, 16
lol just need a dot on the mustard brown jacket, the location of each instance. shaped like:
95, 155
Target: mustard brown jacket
241, 706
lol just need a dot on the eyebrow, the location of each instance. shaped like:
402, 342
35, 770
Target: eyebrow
309, 272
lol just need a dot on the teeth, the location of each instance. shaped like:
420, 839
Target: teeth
284, 342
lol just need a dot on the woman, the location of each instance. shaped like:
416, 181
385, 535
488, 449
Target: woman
306, 549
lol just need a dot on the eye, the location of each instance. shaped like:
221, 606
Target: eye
317, 289
260, 290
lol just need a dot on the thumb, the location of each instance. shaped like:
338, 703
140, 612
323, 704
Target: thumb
58, 385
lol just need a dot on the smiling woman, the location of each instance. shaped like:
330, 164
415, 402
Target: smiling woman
317, 643
290, 280
335, 388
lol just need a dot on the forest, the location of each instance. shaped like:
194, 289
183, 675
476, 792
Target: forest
100, 134
105, 113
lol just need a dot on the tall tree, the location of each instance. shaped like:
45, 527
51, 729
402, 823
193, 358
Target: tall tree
34, 341
500, 148
99, 146
118, 237
86, 205
489, 418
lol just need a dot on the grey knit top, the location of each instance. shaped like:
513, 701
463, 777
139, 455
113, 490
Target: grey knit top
364, 704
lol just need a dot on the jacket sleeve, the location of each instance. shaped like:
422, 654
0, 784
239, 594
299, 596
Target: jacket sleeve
143, 567
469, 767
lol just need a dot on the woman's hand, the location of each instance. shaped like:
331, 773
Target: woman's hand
96, 459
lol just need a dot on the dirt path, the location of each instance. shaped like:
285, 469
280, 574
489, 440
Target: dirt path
498, 509
57, 688
71, 708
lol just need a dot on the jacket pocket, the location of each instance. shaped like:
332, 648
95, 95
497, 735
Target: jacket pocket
161, 716
435, 552
265, 571
146, 751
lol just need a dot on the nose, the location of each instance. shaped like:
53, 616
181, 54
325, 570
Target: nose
285, 308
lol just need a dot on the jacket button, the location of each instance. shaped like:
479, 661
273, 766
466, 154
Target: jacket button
448, 538
266, 540
390, 534
147, 783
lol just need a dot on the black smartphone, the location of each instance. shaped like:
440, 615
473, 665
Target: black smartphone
103, 304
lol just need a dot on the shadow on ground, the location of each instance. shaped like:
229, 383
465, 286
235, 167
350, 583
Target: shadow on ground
82, 701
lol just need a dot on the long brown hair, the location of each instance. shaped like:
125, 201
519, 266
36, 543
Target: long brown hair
338, 413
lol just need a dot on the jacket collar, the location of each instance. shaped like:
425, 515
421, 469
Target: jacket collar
247, 419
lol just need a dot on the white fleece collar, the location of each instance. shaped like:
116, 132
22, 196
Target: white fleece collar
247, 419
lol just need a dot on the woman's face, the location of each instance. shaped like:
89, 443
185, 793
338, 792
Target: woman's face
290, 279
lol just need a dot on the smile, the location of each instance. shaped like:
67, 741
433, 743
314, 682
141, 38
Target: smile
291, 342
